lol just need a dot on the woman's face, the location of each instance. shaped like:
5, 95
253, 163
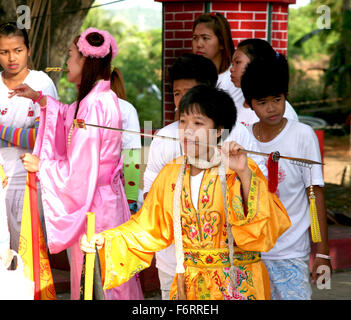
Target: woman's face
75, 65
239, 62
196, 127
13, 54
206, 43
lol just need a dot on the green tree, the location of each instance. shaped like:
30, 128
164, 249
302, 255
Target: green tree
139, 60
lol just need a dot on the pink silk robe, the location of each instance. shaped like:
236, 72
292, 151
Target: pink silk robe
83, 176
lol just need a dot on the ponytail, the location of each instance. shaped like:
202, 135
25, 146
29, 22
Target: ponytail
117, 84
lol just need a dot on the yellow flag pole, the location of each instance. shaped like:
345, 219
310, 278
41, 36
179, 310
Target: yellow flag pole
90, 259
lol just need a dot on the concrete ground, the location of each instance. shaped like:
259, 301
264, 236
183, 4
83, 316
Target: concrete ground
340, 289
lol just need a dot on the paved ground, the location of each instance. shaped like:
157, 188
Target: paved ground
340, 289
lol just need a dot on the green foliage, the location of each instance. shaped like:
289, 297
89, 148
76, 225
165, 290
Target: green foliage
303, 22
338, 74
307, 45
67, 91
139, 59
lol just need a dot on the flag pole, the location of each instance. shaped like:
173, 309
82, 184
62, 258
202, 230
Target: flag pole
35, 233
90, 259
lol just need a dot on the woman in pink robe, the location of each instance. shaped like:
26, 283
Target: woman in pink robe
80, 170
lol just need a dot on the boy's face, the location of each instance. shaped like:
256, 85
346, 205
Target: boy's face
269, 110
196, 127
181, 87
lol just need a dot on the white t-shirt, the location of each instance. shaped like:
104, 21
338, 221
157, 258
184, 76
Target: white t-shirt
295, 140
19, 112
130, 121
224, 82
163, 151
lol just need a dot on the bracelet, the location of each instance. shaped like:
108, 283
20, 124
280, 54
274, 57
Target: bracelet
323, 256
40, 96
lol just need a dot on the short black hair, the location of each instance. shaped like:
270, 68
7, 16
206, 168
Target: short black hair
214, 103
194, 66
264, 78
11, 29
256, 49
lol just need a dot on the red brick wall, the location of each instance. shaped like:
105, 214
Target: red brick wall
247, 20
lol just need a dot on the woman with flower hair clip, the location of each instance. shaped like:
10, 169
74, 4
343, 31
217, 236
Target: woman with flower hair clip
80, 170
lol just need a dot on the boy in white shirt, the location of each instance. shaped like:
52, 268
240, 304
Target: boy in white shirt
265, 87
188, 71
247, 51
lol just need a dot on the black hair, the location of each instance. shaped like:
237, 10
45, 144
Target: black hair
257, 49
266, 78
193, 66
214, 103
94, 68
10, 29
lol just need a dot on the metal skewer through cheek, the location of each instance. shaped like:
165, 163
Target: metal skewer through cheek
79, 123
55, 69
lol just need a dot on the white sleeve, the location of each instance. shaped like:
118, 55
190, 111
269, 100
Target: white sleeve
311, 151
131, 122
290, 113
160, 153
49, 89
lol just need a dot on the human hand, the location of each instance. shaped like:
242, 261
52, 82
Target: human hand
6, 258
5, 182
23, 90
233, 158
30, 162
89, 247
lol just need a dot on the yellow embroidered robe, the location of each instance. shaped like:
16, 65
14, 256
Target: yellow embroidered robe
129, 248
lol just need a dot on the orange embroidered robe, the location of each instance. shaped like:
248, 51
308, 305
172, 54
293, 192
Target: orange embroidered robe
129, 248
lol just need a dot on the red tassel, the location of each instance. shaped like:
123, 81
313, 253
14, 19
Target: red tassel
273, 171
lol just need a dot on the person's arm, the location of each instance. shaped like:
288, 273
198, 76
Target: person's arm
129, 248
322, 247
265, 219
237, 161
19, 137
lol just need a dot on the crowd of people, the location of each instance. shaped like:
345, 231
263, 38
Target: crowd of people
208, 213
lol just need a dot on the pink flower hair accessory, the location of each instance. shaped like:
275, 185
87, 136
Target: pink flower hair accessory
97, 52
